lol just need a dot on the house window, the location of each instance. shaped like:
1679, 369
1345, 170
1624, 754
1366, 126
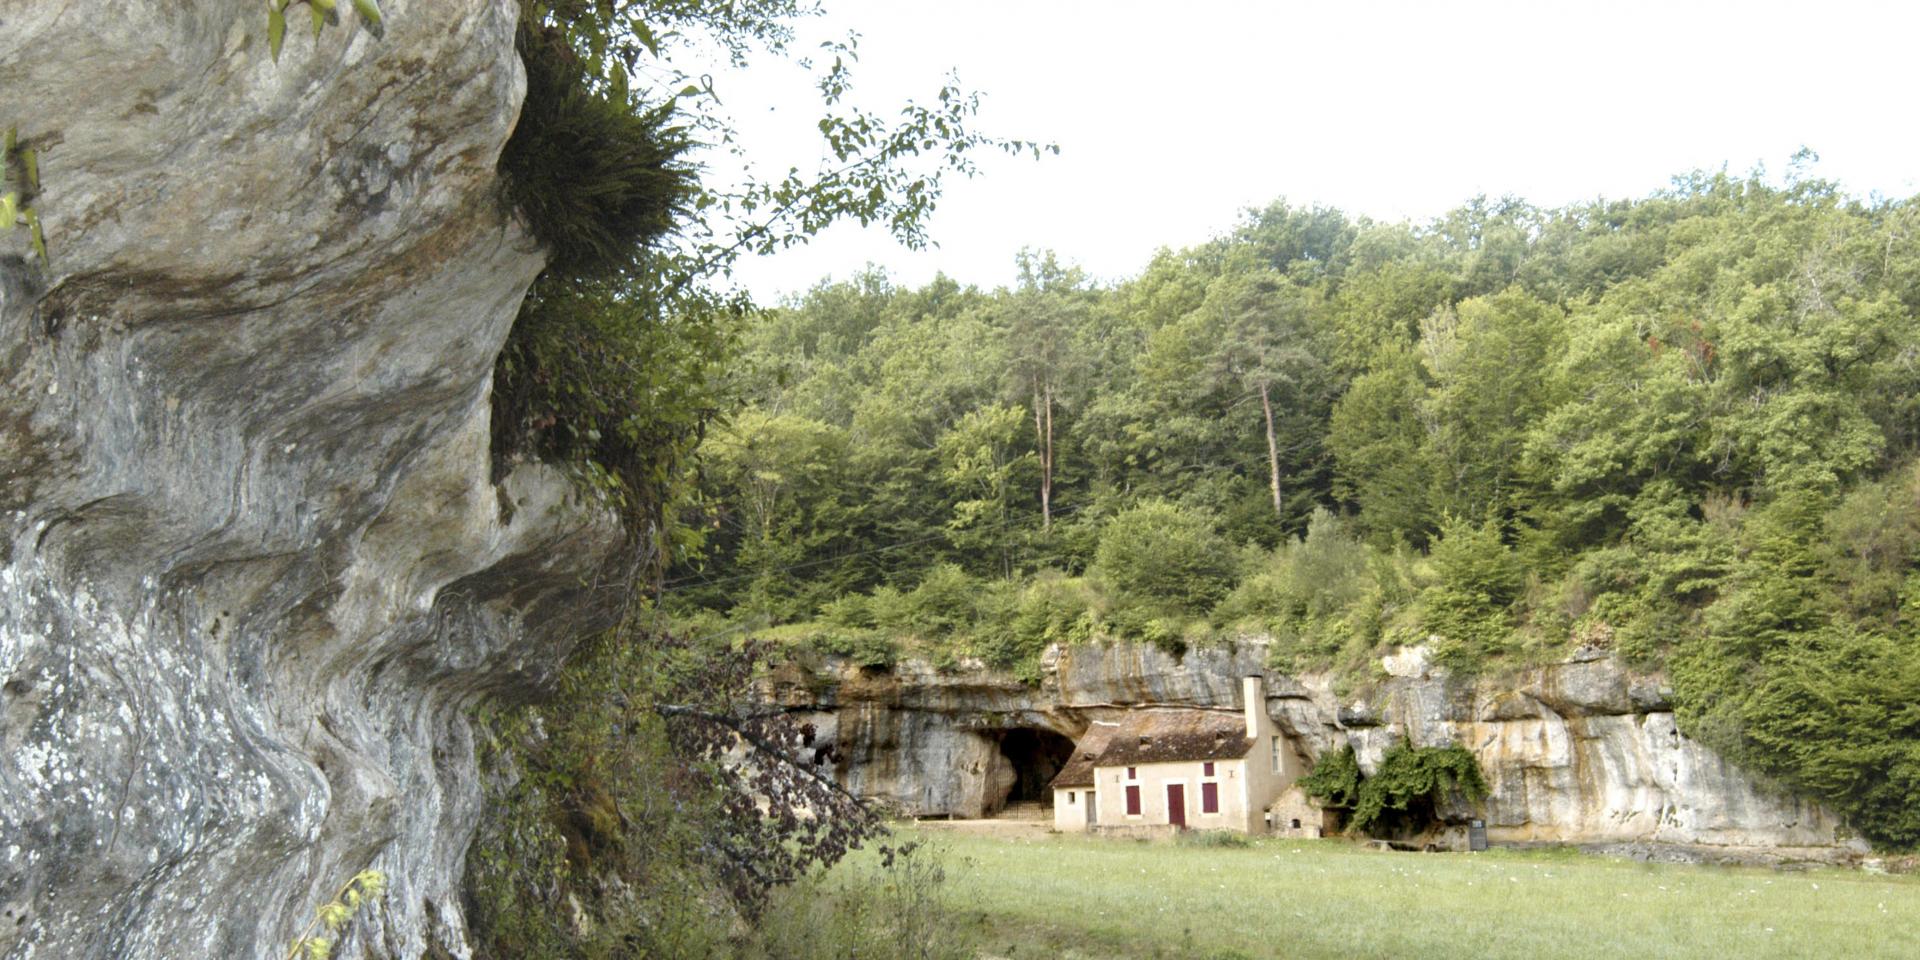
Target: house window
1070, 798
1276, 755
1133, 773
1209, 796
1206, 769
1133, 800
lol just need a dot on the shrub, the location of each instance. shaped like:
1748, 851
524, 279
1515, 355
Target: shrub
897, 909
1471, 605
890, 609
1335, 780
1055, 609
1212, 838
853, 610
1052, 609
1833, 713
596, 179
864, 648
588, 791
1872, 544
1316, 595
1166, 555
944, 602
1403, 794
1786, 682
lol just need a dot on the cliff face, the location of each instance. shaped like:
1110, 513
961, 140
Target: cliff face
253, 575
1583, 751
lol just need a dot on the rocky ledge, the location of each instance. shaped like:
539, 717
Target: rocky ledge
1583, 751
254, 573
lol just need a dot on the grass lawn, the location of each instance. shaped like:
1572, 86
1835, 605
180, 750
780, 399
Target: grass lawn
1082, 897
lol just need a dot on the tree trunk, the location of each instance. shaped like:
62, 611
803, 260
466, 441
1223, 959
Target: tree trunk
1273, 449
1046, 468
1043, 439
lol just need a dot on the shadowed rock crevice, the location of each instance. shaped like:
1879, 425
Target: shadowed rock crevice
1032, 757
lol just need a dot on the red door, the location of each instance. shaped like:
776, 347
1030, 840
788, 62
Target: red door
1177, 804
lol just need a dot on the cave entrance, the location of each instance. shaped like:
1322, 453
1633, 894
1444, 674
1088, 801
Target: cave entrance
1036, 757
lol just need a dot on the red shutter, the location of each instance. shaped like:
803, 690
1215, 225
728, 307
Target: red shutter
1209, 798
1133, 801
1206, 769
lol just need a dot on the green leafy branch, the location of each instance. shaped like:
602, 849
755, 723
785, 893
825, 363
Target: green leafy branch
334, 915
19, 187
321, 12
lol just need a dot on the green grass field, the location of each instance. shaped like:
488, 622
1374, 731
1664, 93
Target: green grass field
1081, 897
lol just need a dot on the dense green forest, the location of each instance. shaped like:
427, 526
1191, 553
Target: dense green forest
1682, 428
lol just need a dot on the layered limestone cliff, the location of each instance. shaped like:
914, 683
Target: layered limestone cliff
1582, 751
253, 571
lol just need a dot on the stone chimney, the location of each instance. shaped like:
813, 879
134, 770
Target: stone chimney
1253, 694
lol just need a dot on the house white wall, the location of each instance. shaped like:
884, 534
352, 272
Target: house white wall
1070, 806
1153, 778
1247, 787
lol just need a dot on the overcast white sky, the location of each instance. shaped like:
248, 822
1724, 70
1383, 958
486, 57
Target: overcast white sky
1171, 118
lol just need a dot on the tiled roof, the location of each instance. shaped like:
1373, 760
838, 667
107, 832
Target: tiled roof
1079, 769
1156, 736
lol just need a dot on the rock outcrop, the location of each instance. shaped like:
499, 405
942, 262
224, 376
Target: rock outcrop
253, 571
1582, 751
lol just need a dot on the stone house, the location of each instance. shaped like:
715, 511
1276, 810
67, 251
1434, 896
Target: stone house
1158, 769
1295, 814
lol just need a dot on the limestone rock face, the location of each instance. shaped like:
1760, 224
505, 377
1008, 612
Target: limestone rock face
1583, 751
253, 571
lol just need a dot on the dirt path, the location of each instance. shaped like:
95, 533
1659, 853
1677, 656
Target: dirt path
1007, 829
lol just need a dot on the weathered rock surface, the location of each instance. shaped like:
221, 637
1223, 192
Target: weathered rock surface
253, 574
1582, 751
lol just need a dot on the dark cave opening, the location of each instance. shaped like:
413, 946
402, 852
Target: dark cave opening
1036, 755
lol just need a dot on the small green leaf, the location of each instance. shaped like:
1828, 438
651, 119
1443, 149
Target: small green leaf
645, 35
39, 239
319, 18
8, 211
30, 163
335, 915
326, 6
276, 30
369, 11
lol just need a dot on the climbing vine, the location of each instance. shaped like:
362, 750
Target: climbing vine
1404, 791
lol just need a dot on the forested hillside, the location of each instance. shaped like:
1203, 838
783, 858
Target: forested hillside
1683, 428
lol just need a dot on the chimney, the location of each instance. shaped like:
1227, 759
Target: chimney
1253, 694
